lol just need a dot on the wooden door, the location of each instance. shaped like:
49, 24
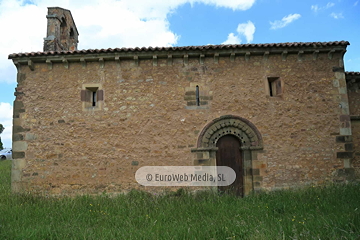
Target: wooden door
229, 154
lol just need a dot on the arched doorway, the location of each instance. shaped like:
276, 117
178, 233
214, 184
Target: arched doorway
229, 154
235, 142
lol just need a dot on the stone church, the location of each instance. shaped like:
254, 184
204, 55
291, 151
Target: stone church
280, 114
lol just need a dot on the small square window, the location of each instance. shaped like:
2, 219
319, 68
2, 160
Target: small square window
92, 97
275, 87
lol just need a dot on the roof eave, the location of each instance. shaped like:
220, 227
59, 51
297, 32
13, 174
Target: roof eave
207, 49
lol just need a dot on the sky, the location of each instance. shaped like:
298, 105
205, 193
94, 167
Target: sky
145, 23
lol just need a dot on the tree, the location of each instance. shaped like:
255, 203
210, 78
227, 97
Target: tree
1, 130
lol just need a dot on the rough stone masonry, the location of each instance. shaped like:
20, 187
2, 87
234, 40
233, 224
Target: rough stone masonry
86, 120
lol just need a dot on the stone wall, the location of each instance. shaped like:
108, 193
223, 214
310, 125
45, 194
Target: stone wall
355, 124
353, 85
354, 95
147, 117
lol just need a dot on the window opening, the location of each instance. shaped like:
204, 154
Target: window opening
72, 33
197, 96
270, 89
63, 28
94, 99
275, 88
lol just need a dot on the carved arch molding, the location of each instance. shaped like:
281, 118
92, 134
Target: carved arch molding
241, 128
251, 144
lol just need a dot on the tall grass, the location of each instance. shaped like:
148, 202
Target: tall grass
331, 212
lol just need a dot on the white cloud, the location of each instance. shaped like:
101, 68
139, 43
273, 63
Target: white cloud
6, 111
233, 4
284, 21
18, 23
352, 60
316, 8
101, 24
336, 15
246, 30
232, 39
356, 3
329, 5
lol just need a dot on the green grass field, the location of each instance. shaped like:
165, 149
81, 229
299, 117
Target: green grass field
331, 212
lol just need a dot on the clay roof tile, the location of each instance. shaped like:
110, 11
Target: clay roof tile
149, 49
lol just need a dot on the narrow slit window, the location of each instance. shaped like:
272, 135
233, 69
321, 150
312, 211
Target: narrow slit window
197, 96
94, 99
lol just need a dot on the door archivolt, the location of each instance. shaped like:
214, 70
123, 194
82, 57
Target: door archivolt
241, 128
